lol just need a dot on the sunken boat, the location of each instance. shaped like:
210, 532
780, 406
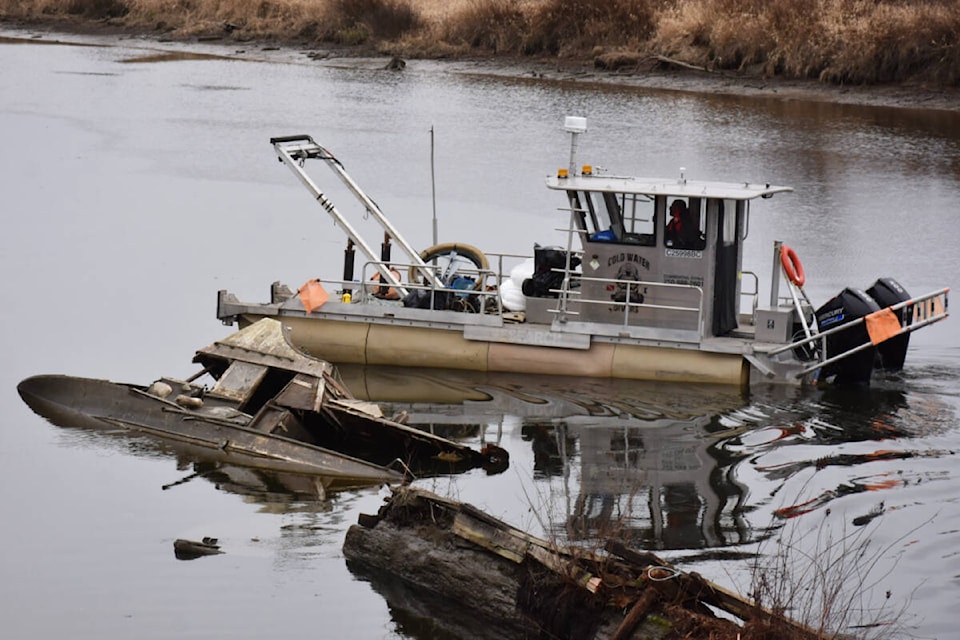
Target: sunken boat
270, 408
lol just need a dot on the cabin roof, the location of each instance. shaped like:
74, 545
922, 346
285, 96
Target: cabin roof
666, 187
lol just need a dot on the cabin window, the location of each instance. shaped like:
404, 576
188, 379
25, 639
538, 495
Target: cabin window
685, 224
639, 216
600, 208
624, 218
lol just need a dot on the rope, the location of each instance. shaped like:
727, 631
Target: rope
672, 572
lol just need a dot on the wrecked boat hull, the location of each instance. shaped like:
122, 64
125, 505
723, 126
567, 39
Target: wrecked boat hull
216, 430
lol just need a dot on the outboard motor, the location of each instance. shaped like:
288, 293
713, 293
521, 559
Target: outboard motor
891, 353
544, 278
847, 306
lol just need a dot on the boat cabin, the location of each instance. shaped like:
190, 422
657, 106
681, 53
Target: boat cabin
672, 246
680, 242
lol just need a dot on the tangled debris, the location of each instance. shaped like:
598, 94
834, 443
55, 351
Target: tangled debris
511, 584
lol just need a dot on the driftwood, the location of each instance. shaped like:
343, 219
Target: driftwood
498, 581
193, 549
680, 63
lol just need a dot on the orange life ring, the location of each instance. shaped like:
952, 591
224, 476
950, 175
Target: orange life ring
791, 265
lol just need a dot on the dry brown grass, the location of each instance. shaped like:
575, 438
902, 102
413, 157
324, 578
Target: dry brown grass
487, 25
836, 41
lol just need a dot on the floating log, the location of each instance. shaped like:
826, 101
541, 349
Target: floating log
193, 549
513, 584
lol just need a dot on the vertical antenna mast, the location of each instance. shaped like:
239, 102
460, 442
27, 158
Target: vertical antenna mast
433, 188
574, 125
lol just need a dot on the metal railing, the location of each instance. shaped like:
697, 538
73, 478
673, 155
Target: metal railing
488, 281
629, 286
369, 287
754, 294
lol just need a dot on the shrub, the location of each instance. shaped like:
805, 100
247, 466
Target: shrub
580, 25
384, 19
98, 9
499, 26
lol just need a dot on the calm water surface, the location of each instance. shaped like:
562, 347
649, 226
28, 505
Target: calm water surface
135, 186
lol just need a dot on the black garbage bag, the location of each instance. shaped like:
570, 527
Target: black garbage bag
545, 278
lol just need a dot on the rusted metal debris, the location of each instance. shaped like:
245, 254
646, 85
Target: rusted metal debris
513, 584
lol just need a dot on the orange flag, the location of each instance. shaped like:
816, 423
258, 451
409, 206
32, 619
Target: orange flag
882, 325
313, 295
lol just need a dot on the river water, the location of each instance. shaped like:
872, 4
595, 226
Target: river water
138, 181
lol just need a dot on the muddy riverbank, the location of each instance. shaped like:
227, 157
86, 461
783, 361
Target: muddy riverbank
652, 73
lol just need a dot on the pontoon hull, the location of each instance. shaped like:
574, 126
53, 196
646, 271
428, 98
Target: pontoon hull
368, 343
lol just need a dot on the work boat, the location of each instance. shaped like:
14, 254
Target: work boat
650, 285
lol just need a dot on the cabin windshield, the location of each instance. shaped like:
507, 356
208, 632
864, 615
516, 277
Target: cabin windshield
626, 218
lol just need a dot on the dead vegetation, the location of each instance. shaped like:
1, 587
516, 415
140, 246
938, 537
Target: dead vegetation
836, 579
833, 41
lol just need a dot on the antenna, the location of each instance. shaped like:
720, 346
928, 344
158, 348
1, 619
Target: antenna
433, 188
574, 125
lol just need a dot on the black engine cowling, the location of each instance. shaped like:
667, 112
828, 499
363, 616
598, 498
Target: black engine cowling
847, 306
891, 353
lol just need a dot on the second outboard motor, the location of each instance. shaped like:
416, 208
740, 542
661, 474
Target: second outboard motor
847, 306
891, 353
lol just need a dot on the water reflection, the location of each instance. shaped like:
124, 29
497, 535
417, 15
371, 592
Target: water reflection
837, 444
658, 466
681, 468
656, 486
702, 474
641, 461
419, 614
277, 492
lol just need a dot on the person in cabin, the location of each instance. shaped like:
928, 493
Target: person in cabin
675, 227
683, 228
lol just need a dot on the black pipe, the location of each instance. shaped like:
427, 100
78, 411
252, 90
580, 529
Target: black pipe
348, 258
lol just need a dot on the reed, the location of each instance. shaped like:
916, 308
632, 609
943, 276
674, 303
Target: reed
834, 41
835, 578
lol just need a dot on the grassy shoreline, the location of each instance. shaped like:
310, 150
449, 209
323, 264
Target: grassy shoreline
637, 68
835, 42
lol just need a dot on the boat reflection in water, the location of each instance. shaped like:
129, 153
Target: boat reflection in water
657, 486
277, 491
661, 466
636, 460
